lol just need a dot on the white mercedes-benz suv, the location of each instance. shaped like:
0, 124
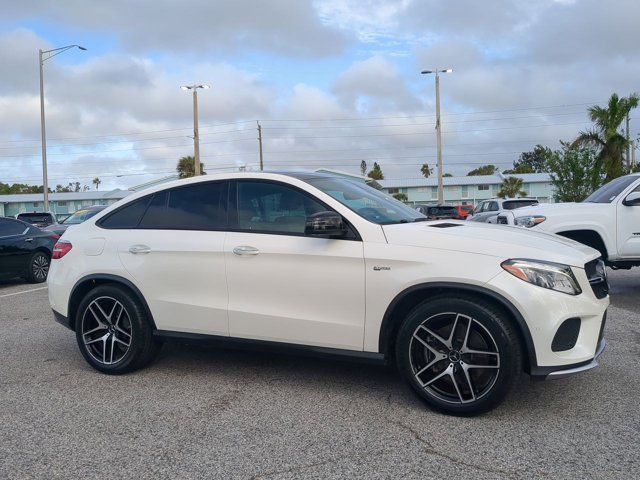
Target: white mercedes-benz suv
324, 265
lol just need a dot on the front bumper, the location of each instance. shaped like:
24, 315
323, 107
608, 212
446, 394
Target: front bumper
579, 368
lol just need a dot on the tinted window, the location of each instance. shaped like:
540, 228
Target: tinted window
35, 217
513, 204
127, 216
11, 227
493, 207
607, 193
272, 207
202, 206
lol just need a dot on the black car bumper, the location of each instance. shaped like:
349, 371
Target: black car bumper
61, 319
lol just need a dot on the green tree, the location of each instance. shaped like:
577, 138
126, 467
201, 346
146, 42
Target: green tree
511, 187
426, 170
363, 168
185, 167
447, 175
376, 172
401, 196
483, 170
606, 136
534, 161
96, 181
575, 172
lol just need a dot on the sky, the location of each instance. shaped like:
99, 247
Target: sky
332, 83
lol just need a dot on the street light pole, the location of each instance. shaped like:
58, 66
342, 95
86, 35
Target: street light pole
41, 60
196, 135
438, 129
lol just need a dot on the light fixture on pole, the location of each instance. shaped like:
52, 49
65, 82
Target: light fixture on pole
438, 128
43, 56
196, 138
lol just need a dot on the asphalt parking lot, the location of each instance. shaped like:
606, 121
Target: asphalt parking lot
199, 413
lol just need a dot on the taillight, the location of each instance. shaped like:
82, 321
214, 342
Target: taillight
60, 249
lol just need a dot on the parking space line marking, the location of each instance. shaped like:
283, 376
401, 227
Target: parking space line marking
23, 291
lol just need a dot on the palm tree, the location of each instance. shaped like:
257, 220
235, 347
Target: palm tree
425, 170
185, 167
606, 137
97, 182
511, 187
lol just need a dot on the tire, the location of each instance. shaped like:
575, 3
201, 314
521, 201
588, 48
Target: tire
113, 332
38, 267
484, 367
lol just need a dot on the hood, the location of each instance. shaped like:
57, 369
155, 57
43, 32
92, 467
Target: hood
495, 240
560, 208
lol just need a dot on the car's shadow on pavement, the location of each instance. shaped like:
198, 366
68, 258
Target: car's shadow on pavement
529, 399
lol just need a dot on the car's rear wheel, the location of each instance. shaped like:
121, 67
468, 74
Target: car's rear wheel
462, 355
38, 267
113, 331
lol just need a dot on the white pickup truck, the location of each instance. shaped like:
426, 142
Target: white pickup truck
608, 220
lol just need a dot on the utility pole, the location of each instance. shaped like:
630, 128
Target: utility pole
260, 145
439, 141
41, 60
45, 180
628, 147
438, 130
196, 139
196, 135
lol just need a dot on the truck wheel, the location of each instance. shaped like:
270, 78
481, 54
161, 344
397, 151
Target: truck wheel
459, 353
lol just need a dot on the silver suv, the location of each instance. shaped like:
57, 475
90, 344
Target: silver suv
487, 211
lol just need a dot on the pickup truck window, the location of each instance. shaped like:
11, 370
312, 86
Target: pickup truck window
607, 193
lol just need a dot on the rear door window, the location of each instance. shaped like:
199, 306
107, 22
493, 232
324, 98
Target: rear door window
11, 227
202, 206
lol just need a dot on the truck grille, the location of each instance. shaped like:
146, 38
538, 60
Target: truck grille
597, 274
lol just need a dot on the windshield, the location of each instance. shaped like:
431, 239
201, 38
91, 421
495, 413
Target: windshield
366, 201
607, 193
79, 217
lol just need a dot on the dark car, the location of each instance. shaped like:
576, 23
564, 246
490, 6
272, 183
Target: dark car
39, 219
25, 250
437, 212
74, 219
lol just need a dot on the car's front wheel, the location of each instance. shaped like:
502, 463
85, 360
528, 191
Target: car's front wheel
461, 354
113, 331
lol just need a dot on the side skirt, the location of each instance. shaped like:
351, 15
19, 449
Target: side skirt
272, 347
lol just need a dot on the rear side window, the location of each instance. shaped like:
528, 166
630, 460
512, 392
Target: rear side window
202, 206
35, 217
493, 207
11, 227
128, 216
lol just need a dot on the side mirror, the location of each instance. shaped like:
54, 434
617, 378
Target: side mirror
325, 224
632, 200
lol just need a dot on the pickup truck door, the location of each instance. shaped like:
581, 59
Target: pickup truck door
628, 226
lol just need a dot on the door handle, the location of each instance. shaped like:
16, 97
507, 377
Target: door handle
28, 239
246, 250
136, 249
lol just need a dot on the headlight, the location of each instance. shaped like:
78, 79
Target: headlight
553, 276
530, 220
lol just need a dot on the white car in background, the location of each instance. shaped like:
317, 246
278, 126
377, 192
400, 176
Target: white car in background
608, 220
317, 264
488, 210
